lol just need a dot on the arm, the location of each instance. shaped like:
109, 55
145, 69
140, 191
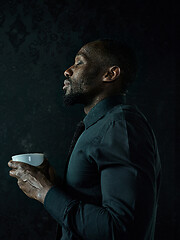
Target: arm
126, 192
111, 221
124, 186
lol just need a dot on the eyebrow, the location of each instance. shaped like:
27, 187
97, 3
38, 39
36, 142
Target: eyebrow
81, 54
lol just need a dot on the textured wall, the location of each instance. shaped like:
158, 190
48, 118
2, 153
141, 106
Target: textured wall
38, 41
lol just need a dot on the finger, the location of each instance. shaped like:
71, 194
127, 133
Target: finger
20, 183
45, 164
16, 165
13, 173
19, 172
10, 163
52, 174
28, 190
24, 186
30, 182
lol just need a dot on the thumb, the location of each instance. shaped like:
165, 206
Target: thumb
52, 174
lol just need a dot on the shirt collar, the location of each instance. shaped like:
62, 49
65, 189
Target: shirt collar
102, 107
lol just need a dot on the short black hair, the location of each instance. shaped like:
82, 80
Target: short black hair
119, 53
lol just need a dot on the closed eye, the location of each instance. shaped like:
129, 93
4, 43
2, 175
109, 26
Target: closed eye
78, 63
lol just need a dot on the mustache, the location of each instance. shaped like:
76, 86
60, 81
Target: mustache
69, 79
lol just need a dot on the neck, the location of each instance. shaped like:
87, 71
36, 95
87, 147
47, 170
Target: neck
91, 103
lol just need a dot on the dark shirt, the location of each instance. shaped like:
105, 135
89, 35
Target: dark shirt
112, 180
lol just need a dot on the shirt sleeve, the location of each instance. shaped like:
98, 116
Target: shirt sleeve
127, 191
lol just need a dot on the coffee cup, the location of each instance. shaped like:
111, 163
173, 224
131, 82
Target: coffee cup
33, 159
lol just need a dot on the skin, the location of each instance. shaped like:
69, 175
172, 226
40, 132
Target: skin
35, 182
95, 82
90, 77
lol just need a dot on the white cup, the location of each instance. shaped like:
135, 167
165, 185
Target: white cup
33, 159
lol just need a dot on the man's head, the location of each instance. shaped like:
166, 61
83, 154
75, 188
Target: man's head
102, 68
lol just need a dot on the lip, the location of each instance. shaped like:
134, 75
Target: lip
66, 84
66, 81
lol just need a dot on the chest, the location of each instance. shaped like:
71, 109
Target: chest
81, 172
83, 177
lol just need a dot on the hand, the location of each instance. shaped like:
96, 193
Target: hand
31, 180
48, 171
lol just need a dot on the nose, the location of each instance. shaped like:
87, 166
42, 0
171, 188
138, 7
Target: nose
68, 73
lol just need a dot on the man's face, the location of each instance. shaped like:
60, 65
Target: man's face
83, 79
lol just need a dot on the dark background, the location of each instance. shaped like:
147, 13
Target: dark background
38, 41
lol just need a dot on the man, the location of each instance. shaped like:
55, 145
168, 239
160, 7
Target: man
112, 179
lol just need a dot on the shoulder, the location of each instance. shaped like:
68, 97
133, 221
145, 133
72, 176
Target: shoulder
126, 112
129, 121
130, 114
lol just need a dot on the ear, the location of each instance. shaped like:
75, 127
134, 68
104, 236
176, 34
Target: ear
112, 74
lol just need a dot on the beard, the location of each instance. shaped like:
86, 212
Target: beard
73, 98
